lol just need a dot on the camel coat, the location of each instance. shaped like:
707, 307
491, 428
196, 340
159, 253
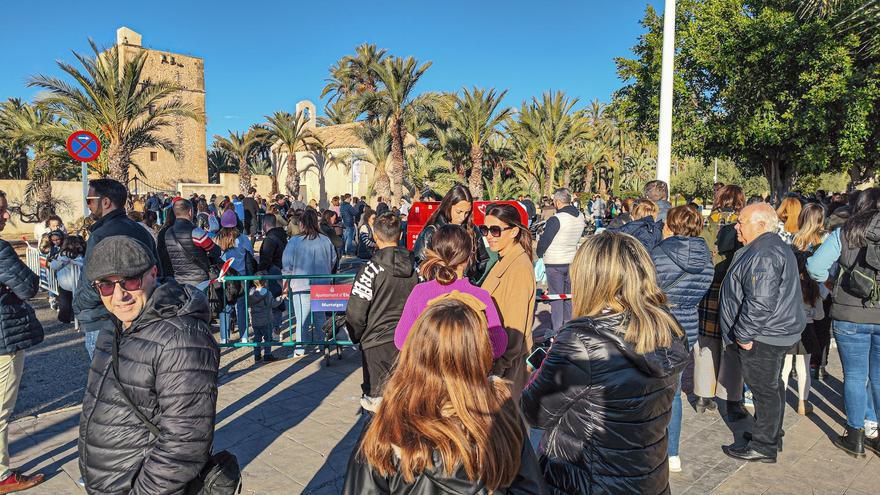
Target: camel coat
511, 283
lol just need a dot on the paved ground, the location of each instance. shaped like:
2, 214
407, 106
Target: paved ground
293, 424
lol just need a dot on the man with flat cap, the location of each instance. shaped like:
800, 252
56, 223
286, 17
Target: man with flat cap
147, 421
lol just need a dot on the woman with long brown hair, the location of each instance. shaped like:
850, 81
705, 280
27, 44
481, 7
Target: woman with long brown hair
444, 425
511, 283
603, 394
717, 372
810, 228
788, 212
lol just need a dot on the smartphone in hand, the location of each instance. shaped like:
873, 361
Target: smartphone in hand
536, 357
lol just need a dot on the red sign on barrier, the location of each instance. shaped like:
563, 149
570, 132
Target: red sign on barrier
420, 212
330, 297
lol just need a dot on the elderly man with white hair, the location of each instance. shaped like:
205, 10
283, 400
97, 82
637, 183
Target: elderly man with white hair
762, 313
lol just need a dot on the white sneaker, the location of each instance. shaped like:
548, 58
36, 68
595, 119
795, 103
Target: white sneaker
674, 464
871, 429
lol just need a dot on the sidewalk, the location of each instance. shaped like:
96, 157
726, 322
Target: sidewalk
293, 424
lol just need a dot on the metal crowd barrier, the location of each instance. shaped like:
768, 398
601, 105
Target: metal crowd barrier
333, 305
39, 264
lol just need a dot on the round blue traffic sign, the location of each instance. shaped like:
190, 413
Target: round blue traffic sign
84, 146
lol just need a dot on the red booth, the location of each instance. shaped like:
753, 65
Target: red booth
421, 211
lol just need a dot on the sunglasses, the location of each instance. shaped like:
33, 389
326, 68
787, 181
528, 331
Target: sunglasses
107, 287
494, 230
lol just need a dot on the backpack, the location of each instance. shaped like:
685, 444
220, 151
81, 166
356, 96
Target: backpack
862, 278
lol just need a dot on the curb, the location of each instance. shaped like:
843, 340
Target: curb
49, 413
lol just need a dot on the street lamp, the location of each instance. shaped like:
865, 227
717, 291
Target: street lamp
664, 143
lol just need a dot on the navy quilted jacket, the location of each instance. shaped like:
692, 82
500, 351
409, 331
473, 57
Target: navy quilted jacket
684, 272
19, 327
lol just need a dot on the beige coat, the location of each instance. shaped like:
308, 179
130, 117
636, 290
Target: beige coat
511, 283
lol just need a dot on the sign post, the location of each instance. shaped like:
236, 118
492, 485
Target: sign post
84, 147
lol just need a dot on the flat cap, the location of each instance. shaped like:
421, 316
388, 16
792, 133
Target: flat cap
118, 255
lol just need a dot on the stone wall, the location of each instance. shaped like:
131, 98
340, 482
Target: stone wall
70, 210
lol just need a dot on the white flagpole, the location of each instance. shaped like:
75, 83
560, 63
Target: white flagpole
664, 144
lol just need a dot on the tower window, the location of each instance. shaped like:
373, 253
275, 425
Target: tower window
154, 156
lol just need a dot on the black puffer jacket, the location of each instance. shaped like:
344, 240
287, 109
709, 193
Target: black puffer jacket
19, 326
168, 365
272, 249
378, 296
604, 409
476, 272
181, 258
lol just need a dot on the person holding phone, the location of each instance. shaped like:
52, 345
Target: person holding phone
511, 283
447, 261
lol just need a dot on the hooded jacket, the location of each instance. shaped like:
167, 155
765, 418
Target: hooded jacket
761, 295
168, 364
604, 410
19, 326
684, 273
645, 229
378, 295
272, 249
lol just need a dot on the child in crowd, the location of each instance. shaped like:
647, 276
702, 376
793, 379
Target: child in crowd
801, 351
70, 253
261, 302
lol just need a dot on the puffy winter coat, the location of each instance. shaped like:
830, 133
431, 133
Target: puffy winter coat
604, 410
187, 253
272, 249
645, 229
19, 326
168, 365
684, 273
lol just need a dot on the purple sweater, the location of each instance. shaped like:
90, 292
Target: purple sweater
424, 292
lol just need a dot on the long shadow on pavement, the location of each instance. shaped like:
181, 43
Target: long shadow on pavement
331, 477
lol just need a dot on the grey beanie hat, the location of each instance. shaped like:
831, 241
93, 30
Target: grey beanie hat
118, 255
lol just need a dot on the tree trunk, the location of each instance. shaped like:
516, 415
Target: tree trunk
548, 177
496, 177
244, 177
274, 191
397, 160
382, 184
43, 187
603, 182
588, 180
291, 183
118, 164
566, 179
476, 179
779, 175
459, 170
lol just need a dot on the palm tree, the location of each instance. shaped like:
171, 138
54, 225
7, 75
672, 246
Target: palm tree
393, 103
379, 146
859, 16
115, 102
218, 162
239, 148
351, 78
338, 112
291, 133
477, 118
428, 171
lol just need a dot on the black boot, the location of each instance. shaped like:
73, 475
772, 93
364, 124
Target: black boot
873, 444
736, 411
852, 442
703, 404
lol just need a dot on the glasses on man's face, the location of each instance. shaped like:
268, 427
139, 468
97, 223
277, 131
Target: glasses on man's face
89, 199
129, 284
494, 230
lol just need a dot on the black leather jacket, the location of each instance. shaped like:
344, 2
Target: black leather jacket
19, 326
604, 410
761, 296
362, 479
475, 272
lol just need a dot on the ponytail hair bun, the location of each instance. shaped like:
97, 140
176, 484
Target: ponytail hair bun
451, 247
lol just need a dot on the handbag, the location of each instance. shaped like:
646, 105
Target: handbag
221, 475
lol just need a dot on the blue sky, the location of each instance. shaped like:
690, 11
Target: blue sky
262, 56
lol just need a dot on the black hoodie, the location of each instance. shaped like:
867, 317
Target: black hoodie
378, 295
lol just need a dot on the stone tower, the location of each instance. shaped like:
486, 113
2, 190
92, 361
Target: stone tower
308, 108
160, 169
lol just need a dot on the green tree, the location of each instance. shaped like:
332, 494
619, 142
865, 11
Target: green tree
394, 104
219, 163
111, 98
476, 117
291, 133
428, 171
239, 148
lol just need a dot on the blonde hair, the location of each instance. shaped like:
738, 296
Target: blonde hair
613, 272
788, 213
811, 227
440, 399
643, 208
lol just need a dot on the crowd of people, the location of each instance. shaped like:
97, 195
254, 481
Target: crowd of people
454, 372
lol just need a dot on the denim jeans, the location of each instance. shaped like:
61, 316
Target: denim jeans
859, 348
675, 421
871, 410
302, 309
762, 372
240, 316
348, 236
262, 334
